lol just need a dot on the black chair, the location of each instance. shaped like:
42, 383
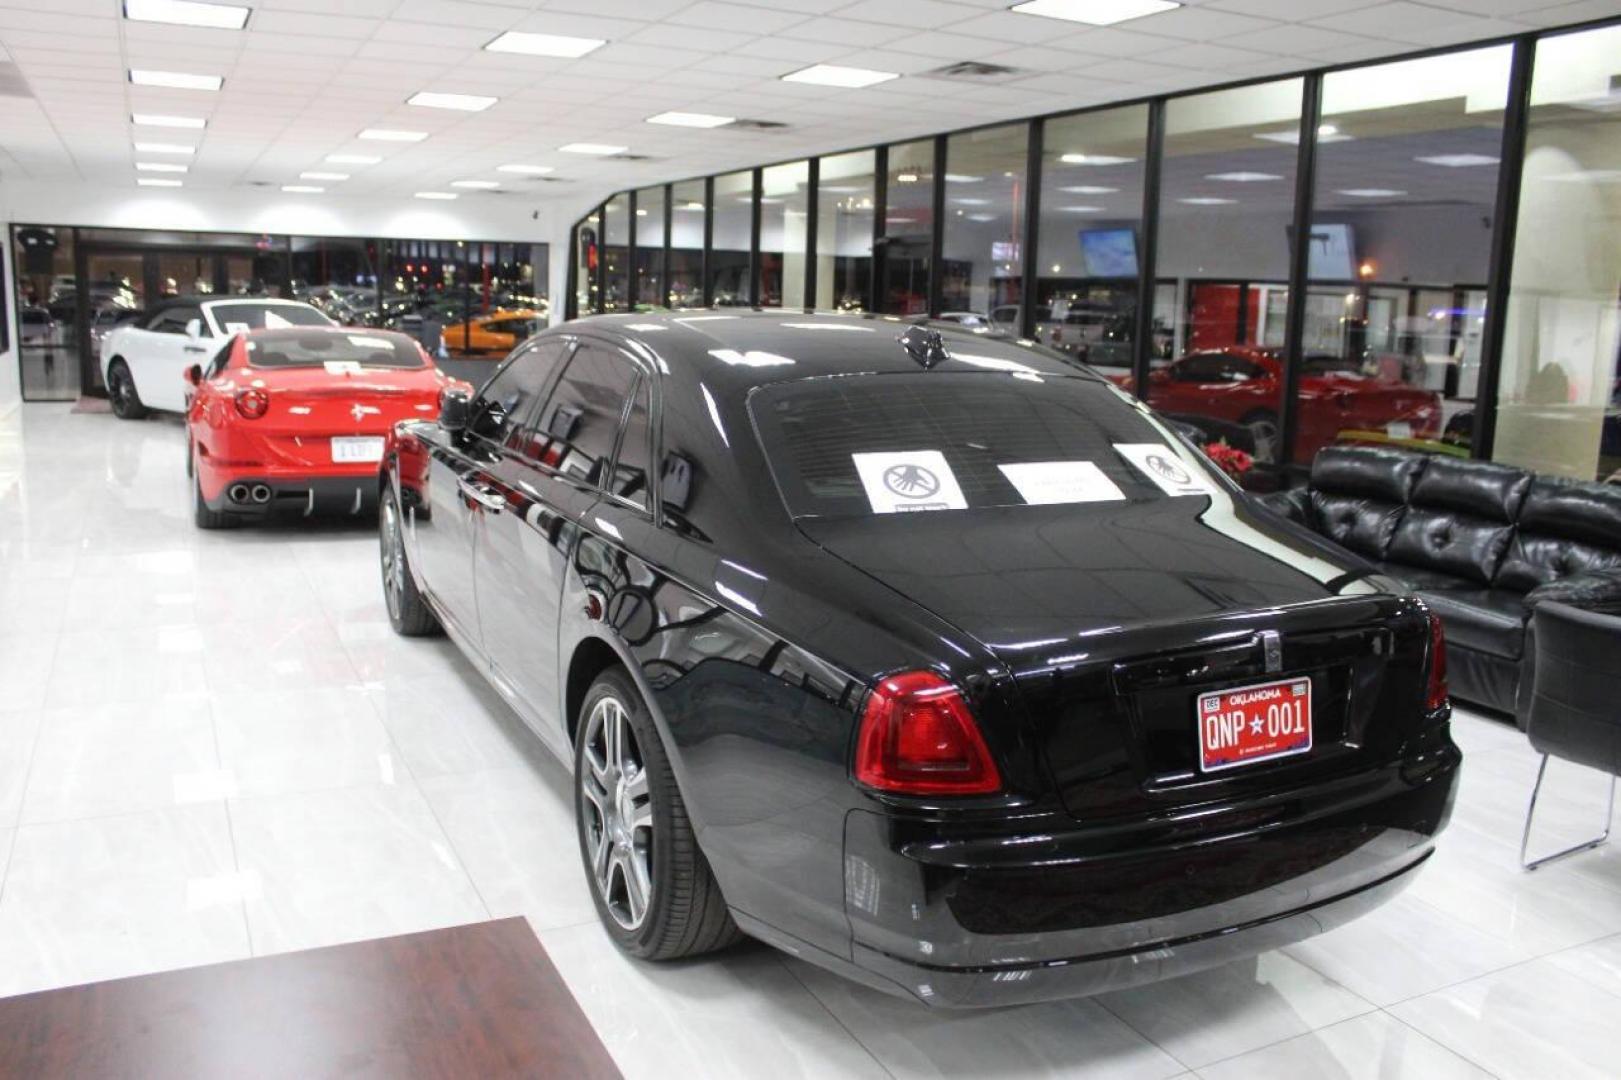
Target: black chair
1575, 710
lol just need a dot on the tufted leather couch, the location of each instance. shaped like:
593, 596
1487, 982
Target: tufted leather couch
1483, 544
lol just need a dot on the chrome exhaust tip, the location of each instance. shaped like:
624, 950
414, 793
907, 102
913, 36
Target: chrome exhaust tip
239, 493
261, 493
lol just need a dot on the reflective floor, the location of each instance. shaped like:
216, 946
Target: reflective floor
213, 747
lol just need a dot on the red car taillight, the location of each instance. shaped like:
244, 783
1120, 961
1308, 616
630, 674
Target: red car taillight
1435, 690
918, 737
252, 403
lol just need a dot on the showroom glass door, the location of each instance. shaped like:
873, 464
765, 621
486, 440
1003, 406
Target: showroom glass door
114, 288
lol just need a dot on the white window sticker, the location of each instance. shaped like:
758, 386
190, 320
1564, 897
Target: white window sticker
237, 328
909, 480
1043, 483
1160, 464
341, 367
275, 322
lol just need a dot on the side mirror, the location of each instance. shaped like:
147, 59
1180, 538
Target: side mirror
455, 409
194, 328
194, 374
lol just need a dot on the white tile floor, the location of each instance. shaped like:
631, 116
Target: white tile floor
212, 747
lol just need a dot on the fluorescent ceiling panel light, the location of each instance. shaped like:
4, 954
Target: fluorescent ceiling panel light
850, 78
1206, 200
1081, 209
515, 41
159, 120
159, 166
1371, 192
981, 217
392, 135
1089, 189
175, 80
1458, 161
352, 159
1326, 133
691, 119
691, 206
480, 185
153, 181
972, 202
1095, 159
302, 189
1243, 177
323, 176
165, 148
906, 178
962, 178
1095, 12
459, 102
592, 149
436, 195
187, 13
526, 170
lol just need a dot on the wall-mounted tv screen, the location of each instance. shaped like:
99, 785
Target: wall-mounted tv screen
1332, 250
1109, 252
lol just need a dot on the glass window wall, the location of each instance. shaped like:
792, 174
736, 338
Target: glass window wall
587, 255
844, 211
733, 215
686, 267
908, 228
650, 248
982, 269
616, 253
784, 217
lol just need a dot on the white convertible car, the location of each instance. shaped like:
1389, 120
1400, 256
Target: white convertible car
144, 363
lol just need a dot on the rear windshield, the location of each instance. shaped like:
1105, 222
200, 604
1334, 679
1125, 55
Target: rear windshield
241, 315
878, 444
314, 348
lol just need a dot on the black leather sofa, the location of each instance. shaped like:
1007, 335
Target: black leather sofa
1483, 544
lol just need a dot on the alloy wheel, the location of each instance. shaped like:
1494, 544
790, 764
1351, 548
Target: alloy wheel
393, 548
618, 809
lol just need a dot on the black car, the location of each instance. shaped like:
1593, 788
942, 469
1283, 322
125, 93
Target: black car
931, 658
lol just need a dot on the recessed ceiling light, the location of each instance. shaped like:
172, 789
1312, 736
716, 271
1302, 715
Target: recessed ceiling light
158, 120
1371, 192
302, 189
392, 135
459, 102
323, 176
906, 178
1243, 177
352, 159
187, 13
972, 202
851, 78
962, 178
1095, 12
1089, 189
1326, 133
640, 212
1081, 209
691, 119
153, 181
515, 41
981, 217
592, 149
526, 170
165, 148
1458, 161
691, 206
1095, 159
175, 80
481, 185
436, 195
1206, 200
160, 166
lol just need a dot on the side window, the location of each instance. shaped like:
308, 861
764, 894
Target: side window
630, 477
221, 358
157, 323
504, 403
579, 424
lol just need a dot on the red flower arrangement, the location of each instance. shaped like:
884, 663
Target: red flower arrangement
1234, 462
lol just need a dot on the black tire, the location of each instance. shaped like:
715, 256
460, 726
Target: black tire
1263, 425
126, 400
408, 612
685, 914
200, 513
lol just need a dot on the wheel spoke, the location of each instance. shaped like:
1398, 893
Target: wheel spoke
637, 886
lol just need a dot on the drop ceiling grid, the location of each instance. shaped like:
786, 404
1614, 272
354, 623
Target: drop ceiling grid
307, 75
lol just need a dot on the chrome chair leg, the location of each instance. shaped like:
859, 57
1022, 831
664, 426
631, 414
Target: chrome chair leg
1530, 812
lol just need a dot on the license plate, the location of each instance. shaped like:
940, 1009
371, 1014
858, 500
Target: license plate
1254, 723
362, 448
1401, 429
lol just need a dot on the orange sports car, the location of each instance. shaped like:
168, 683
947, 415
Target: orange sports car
494, 332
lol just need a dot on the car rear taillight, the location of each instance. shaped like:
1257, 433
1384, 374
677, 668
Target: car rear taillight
252, 403
918, 737
1435, 687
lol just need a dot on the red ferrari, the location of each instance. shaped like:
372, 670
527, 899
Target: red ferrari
1245, 386
295, 419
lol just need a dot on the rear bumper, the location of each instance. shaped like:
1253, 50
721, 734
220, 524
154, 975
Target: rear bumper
352, 492
996, 920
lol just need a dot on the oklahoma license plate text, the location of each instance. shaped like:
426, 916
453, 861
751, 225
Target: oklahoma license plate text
1254, 723
361, 448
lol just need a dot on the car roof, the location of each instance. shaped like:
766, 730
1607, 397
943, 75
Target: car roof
742, 348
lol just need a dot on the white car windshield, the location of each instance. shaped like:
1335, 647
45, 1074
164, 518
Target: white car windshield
236, 315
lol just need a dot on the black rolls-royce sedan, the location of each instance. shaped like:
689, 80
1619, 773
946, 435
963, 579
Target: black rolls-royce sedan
925, 655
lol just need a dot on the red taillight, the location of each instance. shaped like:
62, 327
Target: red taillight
1435, 691
252, 403
918, 737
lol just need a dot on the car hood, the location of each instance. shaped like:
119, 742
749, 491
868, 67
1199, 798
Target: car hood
1017, 578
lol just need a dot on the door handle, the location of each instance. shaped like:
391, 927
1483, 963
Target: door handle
193, 348
483, 494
